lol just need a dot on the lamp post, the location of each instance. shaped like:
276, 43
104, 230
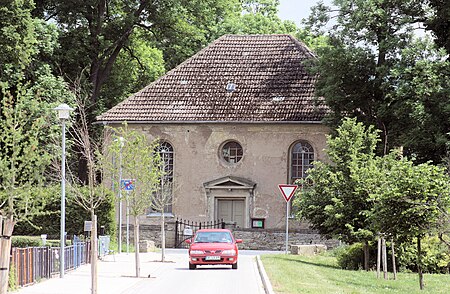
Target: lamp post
63, 114
121, 140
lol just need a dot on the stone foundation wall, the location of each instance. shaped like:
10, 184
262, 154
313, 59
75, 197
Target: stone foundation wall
253, 239
276, 239
153, 233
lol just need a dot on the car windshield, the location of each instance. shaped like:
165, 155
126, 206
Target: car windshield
213, 237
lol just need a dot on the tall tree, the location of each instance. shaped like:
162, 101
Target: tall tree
359, 72
439, 22
17, 39
256, 17
28, 128
95, 35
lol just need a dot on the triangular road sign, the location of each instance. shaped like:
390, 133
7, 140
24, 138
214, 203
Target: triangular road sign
287, 191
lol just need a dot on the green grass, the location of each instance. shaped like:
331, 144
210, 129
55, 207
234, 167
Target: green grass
320, 274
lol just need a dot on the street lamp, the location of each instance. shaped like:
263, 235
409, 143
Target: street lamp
63, 114
121, 142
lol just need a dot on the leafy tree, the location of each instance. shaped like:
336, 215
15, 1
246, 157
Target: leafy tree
419, 101
100, 40
334, 199
410, 200
17, 38
23, 163
256, 17
369, 65
139, 63
141, 163
439, 22
94, 33
27, 124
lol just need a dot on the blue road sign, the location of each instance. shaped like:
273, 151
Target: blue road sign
127, 185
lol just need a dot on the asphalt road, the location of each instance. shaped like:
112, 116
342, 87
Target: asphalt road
115, 276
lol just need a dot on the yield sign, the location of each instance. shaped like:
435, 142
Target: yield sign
287, 191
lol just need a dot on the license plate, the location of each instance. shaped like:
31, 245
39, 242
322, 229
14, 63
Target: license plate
212, 258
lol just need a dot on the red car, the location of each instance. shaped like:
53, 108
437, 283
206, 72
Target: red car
213, 246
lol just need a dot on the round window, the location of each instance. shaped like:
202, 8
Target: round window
232, 152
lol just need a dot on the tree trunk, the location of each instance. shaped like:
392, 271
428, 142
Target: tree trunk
384, 258
366, 255
394, 267
419, 263
94, 254
136, 246
378, 257
6, 229
163, 238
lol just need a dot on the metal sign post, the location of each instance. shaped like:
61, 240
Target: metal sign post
128, 223
128, 185
287, 191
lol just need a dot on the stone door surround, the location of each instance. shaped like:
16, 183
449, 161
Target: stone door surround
229, 187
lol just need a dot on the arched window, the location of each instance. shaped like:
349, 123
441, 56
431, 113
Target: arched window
302, 157
165, 151
163, 195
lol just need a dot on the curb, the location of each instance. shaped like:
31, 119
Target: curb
264, 278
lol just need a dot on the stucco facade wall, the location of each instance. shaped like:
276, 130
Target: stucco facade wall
265, 162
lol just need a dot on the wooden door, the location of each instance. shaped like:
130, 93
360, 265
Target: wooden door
232, 211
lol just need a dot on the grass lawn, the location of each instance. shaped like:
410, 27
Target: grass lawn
320, 274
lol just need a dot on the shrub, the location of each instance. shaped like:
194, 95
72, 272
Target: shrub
49, 221
351, 257
25, 241
435, 256
12, 279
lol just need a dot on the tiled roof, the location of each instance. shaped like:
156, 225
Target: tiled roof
271, 85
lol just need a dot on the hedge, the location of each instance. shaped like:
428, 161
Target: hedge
49, 221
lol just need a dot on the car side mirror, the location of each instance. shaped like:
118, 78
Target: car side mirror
238, 240
188, 241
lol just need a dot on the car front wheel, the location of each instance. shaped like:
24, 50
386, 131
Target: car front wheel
234, 266
192, 266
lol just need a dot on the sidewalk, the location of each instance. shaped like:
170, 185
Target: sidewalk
114, 277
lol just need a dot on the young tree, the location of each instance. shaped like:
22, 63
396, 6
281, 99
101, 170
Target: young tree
97, 193
410, 200
163, 198
22, 165
334, 199
140, 163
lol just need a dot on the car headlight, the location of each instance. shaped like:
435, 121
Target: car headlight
229, 252
196, 252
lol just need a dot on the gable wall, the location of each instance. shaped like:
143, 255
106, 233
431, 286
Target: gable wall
265, 162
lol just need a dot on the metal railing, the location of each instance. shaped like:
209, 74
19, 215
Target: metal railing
34, 263
185, 229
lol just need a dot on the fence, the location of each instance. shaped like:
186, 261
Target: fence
185, 229
34, 263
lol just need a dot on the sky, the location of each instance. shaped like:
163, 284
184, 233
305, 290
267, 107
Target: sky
295, 10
